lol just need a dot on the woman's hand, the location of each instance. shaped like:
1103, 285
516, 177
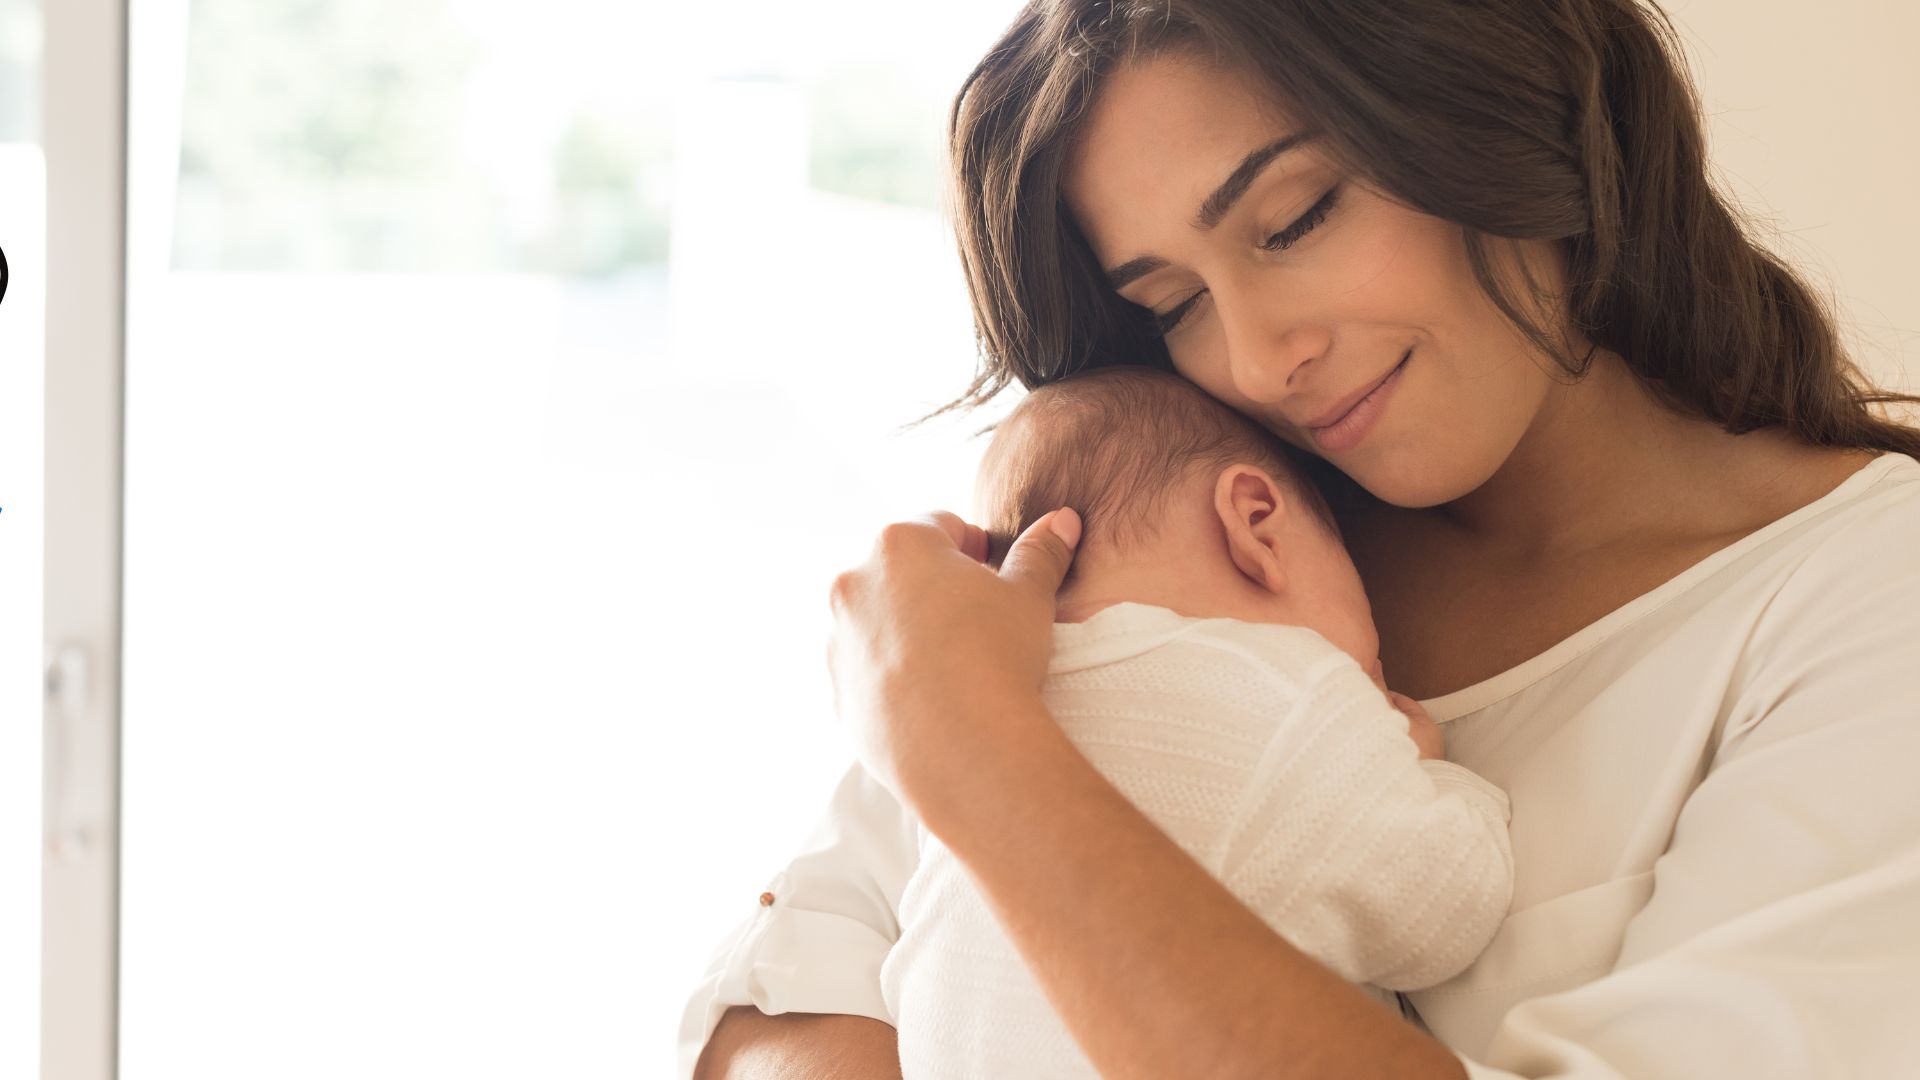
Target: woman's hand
923, 629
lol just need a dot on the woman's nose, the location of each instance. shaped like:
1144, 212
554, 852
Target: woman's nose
1267, 353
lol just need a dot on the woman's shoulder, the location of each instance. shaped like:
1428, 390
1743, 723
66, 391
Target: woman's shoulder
1873, 520
1829, 659
1852, 578
1856, 544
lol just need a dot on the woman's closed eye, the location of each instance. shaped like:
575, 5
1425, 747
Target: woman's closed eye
1166, 322
1305, 223
1280, 241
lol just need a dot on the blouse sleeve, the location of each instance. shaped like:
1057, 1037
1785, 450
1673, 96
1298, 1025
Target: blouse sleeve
815, 939
1782, 938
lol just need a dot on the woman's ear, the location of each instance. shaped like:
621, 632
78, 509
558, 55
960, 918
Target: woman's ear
1251, 511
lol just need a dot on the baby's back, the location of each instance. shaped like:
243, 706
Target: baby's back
1270, 758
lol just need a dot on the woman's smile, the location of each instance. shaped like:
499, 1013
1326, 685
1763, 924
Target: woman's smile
1352, 423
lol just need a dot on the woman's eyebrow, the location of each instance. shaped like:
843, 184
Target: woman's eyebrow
1133, 270
1215, 208
1236, 185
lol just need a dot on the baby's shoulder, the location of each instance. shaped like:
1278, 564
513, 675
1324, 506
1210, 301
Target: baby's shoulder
1208, 680
1293, 658
1145, 646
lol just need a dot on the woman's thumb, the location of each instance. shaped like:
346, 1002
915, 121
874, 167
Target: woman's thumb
1042, 554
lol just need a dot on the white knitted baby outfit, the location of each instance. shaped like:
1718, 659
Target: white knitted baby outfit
1269, 756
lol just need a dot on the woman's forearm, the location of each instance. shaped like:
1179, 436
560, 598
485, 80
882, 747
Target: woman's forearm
1155, 967
750, 1045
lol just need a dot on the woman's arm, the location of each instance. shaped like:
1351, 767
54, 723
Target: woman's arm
750, 1045
1155, 967
811, 945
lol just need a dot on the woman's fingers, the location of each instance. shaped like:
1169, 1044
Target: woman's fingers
903, 540
934, 530
976, 545
948, 523
918, 629
1041, 555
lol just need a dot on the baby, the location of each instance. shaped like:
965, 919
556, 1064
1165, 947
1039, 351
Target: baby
1215, 659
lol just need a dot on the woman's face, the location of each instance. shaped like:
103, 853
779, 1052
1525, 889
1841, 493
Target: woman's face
1291, 290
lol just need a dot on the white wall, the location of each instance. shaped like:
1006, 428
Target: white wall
1811, 120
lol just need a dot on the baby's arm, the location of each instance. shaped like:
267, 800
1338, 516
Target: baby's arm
1391, 867
1426, 734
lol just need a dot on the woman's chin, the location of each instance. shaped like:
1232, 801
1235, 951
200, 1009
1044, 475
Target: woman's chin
1411, 479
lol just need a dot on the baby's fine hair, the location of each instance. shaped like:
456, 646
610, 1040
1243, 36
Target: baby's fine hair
1114, 443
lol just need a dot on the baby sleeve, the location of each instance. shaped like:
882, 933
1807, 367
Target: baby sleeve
1389, 869
816, 938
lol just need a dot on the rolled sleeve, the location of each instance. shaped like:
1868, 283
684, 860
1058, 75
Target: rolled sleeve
824, 925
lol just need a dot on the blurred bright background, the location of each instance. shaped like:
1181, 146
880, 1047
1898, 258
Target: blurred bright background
506, 383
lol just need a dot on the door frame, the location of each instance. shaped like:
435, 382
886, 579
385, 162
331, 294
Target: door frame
84, 133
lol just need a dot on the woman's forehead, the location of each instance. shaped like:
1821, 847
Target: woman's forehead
1162, 133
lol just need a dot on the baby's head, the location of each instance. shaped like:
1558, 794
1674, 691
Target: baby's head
1184, 502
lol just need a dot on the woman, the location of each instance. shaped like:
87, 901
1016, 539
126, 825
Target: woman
1628, 519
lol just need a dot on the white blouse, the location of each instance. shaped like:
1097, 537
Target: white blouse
1715, 828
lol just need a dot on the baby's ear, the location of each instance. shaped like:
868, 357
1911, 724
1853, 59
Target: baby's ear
1251, 509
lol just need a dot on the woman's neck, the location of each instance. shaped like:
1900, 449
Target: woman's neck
1605, 460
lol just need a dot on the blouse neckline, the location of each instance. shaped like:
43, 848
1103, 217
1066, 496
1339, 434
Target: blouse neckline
1473, 698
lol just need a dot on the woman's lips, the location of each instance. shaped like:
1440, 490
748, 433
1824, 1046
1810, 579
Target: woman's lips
1353, 425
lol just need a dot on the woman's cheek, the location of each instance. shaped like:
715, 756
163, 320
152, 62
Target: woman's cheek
1199, 355
1469, 420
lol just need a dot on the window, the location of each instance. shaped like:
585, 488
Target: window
511, 384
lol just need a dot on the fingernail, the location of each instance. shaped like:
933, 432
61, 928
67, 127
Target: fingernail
1065, 525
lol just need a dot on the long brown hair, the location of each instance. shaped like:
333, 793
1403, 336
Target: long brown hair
1578, 109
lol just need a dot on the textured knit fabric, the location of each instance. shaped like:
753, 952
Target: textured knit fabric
1272, 759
